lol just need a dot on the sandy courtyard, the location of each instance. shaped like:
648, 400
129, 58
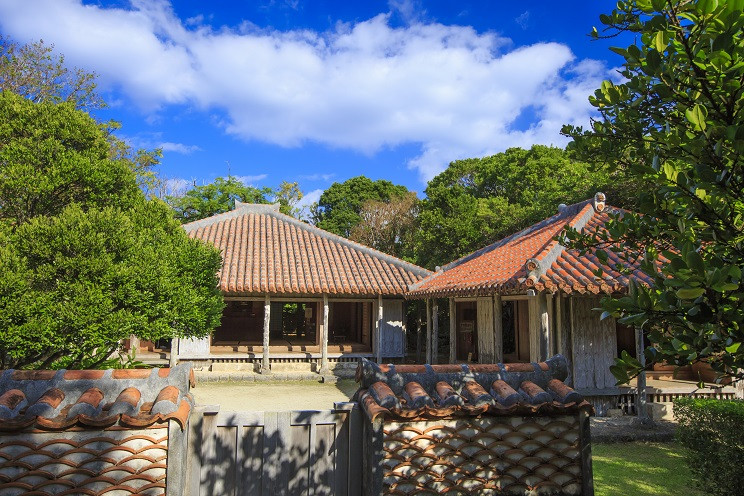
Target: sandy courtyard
273, 396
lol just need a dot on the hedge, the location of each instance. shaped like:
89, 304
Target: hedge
712, 431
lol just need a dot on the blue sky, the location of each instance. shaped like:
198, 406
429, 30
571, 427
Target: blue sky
320, 91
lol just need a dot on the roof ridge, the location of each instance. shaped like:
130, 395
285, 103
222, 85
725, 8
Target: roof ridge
347, 242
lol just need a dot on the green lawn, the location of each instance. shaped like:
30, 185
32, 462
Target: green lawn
627, 469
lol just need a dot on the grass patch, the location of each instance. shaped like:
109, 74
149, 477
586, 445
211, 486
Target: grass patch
639, 468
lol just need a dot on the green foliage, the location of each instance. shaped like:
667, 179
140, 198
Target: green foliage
478, 201
339, 207
711, 432
52, 156
35, 72
288, 195
676, 122
214, 198
85, 259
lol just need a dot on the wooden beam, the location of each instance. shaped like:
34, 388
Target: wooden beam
324, 338
452, 331
379, 328
435, 333
265, 366
641, 400
428, 330
498, 329
173, 360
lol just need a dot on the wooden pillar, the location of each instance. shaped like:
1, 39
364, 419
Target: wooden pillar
428, 330
452, 331
173, 361
498, 330
324, 338
539, 322
379, 328
641, 400
435, 333
265, 366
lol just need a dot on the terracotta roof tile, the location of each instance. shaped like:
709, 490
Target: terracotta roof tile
533, 258
264, 250
438, 391
61, 399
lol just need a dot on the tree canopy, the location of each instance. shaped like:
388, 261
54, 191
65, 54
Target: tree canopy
477, 201
214, 198
676, 121
389, 226
85, 259
338, 209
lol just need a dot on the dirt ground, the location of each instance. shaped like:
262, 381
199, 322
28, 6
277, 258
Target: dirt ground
273, 396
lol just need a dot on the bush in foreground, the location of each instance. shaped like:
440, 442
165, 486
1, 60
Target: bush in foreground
711, 431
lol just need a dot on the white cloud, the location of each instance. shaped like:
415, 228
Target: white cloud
307, 200
178, 148
365, 86
251, 180
317, 177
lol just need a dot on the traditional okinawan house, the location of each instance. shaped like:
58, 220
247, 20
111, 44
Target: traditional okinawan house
298, 294
527, 297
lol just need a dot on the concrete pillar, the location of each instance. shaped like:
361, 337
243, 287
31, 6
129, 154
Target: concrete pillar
265, 366
452, 331
428, 330
379, 328
435, 333
324, 338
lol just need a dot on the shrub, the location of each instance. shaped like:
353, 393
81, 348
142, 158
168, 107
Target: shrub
712, 433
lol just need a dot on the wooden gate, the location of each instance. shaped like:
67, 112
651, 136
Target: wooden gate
284, 453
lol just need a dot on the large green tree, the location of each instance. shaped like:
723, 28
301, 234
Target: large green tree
216, 197
85, 259
338, 209
480, 200
677, 121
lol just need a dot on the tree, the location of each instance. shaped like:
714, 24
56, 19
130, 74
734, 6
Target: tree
85, 259
389, 226
35, 72
339, 206
288, 195
216, 198
677, 121
477, 201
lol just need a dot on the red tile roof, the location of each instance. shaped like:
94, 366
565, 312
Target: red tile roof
417, 392
62, 399
533, 258
265, 251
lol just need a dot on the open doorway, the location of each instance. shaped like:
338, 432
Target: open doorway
466, 331
515, 331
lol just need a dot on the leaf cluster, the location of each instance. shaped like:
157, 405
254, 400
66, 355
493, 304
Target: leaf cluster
675, 124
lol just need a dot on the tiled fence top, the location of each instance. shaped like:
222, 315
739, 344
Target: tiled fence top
436, 391
62, 399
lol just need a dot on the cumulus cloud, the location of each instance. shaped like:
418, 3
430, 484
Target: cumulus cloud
178, 148
364, 86
251, 180
307, 200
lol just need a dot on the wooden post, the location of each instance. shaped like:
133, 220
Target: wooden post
173, 361
452, 331
324, 338
539, 327
379, 328
498, 330
641, 407
265, 366
435, 333
428, 330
